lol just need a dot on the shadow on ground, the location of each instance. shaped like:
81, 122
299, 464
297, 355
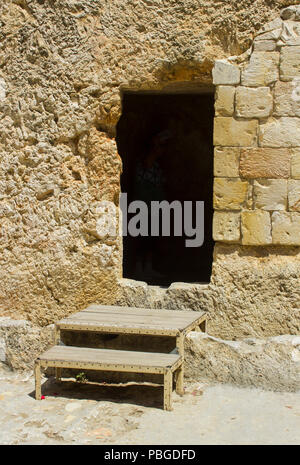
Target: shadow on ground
146, 395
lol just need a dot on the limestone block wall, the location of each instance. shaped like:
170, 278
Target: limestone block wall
254, 288
257, 139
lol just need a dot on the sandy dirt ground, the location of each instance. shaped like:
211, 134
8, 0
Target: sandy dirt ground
77, 413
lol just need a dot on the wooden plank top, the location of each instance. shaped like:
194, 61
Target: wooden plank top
107, 318
109, 357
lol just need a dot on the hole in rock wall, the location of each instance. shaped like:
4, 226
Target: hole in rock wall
165, 141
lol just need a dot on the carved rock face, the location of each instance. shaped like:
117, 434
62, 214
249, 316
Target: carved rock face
63, 67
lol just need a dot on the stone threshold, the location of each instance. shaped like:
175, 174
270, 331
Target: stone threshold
177, 296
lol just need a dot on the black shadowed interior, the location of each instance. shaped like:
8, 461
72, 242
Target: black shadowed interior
166, 145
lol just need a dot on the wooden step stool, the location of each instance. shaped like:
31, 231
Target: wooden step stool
112, 360
108, 319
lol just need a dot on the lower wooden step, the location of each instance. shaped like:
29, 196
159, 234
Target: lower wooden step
113, 360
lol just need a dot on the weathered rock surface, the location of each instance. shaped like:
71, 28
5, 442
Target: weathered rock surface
224, 104
294, 195
229, 194
270, 194
265, 163
290, 63
287, 99
225, 73
226, 162
226, 226
272, 363
295, 163
262, 69
62, 67
253, 102
281, 132
235, 133
256, 227
21, 342
285, 228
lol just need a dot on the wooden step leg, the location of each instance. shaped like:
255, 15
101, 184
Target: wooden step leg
37, 372
57, 336
179, 380
58, 374
180, 344
168, 390
203, 326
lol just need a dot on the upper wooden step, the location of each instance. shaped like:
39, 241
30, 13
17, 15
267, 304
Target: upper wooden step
115, 319
107, 359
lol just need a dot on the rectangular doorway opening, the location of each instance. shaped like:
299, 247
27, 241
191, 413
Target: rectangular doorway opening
165, 141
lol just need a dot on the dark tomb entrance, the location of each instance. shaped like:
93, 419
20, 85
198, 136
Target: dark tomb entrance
166, 145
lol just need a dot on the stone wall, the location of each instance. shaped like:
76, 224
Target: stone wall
254, 287
257, 139
63, 67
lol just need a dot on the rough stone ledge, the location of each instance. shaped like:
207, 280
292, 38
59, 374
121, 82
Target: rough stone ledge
271, 364
178, 296
291, 12
21, 342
